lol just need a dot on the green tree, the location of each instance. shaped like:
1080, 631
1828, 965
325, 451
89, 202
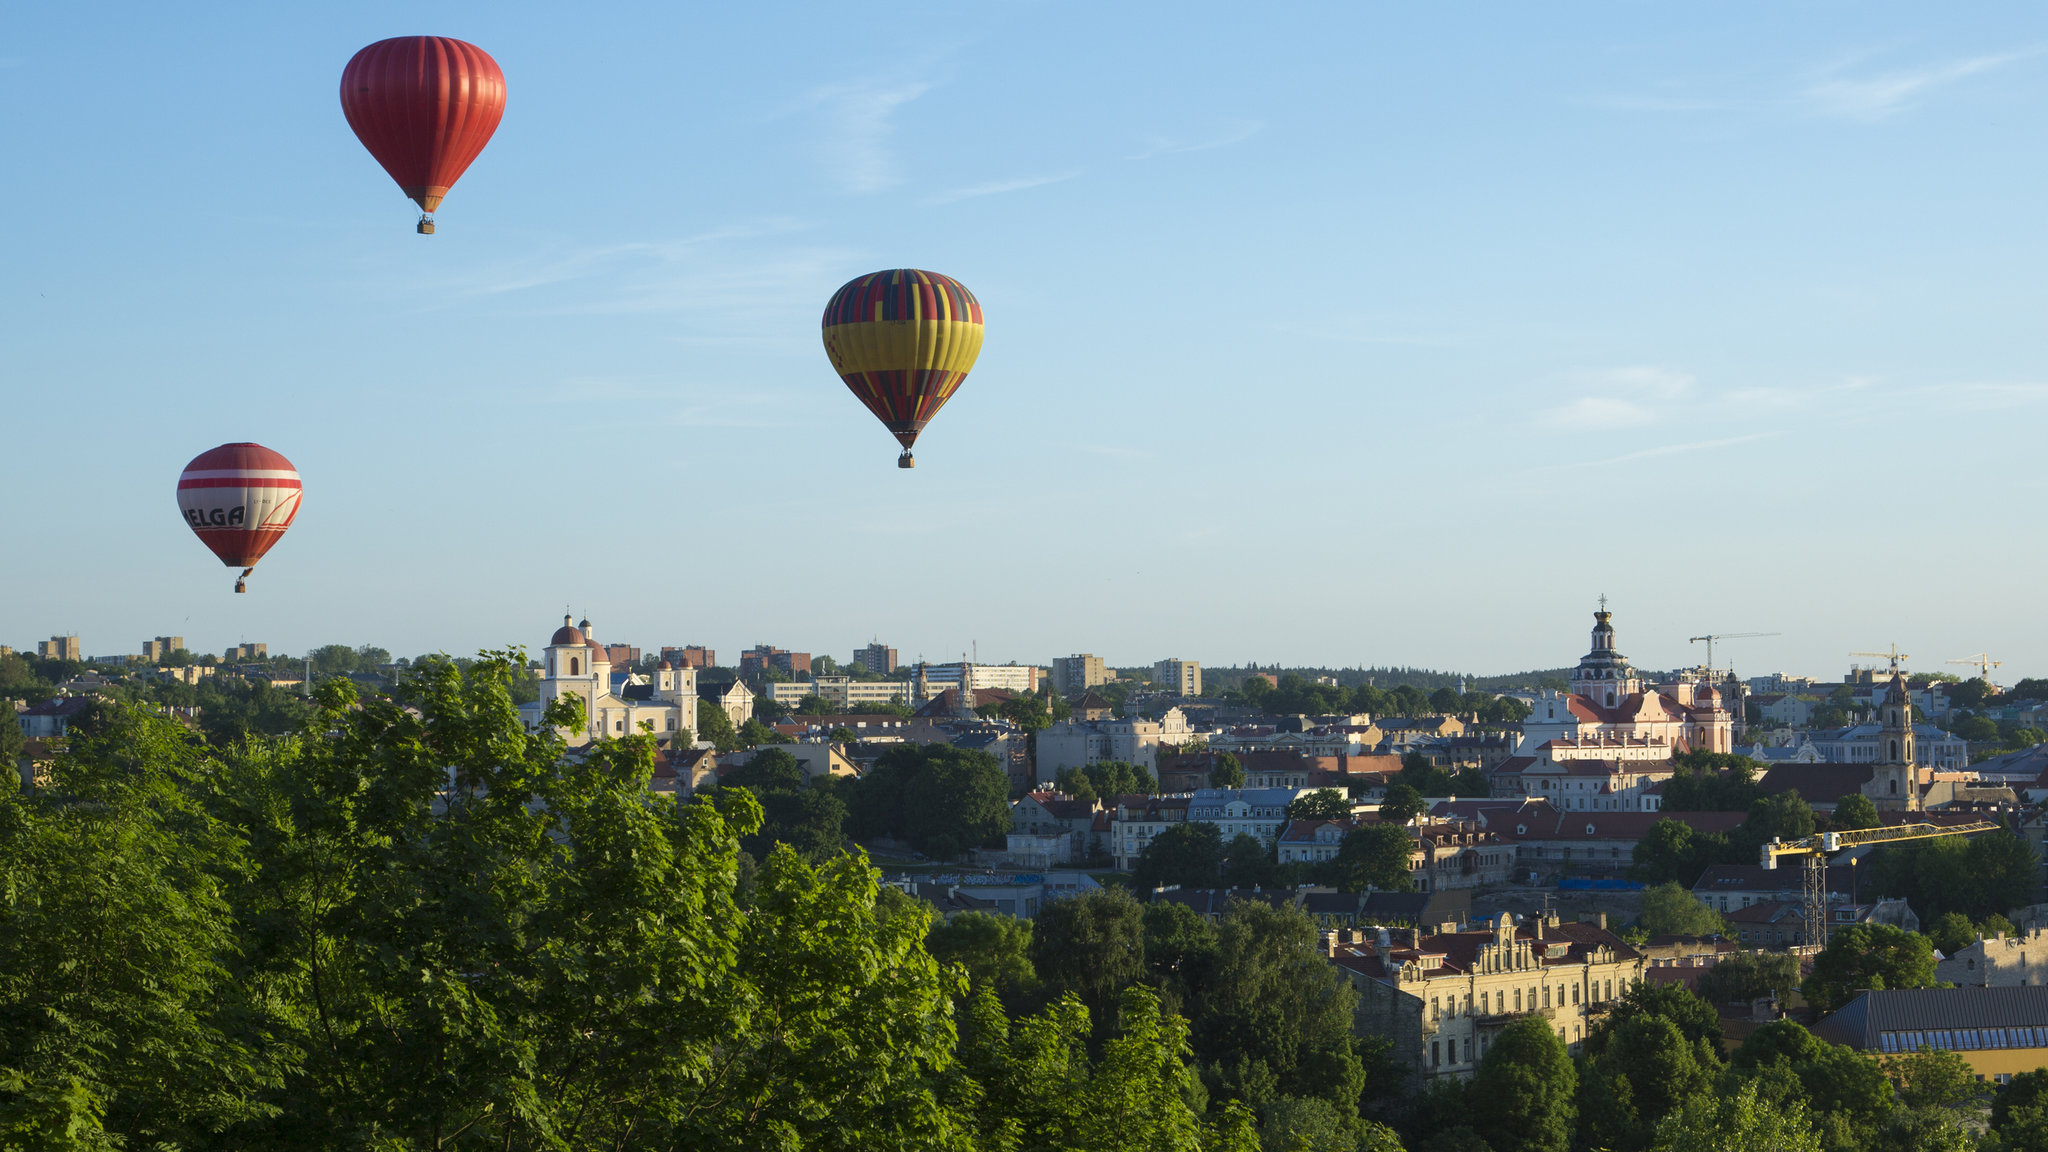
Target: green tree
1320, 804
1092, 945
1671, 852
1276, 1018
1075, 784
1746, 976
754, 733
1189, 855
1180, 953
942, 799
1298, 1124
995, 952
1376, 855
714, 725
1844, 1091
1735, 1123
1952, 932
1868, 956
1249, 863
1855, 811
1694, 1018
1402, 804
2025, 1090
1646, 1070
1228, 772
1669, 910
814, 705
1525, 1094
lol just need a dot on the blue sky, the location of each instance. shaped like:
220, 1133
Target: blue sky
1360, 333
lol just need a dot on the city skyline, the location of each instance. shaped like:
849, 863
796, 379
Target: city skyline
1395, 343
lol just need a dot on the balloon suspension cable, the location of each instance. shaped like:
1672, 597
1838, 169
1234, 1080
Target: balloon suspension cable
242, 581
906, 461
426, 224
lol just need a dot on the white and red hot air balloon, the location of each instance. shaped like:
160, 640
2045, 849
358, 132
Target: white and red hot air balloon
239, 499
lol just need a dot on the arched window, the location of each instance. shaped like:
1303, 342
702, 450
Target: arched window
1895, 787
1895, 750
575, 666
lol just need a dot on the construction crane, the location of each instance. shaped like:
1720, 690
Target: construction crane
1895, 656
1984, 664
1711, 637
1815, 849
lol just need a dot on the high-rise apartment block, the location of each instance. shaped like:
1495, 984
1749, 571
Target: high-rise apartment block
765, 658
245, 652
1078, 673
877, 658
623, 655
1180, 677
693, 656
59, 648
160, 649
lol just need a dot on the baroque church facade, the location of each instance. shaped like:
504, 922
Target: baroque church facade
615, 703
1611, 712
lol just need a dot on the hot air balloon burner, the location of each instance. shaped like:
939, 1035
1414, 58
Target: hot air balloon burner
426, 225
242, 581
906, 461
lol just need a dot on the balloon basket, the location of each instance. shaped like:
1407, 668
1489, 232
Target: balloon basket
906, 461
426, 226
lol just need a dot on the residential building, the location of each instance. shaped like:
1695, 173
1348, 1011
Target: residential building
1442, 997
162, 648
1076, 744
245, 652
618, 704
1055, 814
1313, 841
1622, 783
819, 760
877, 658
1730, 888
1135, 820
1400, 733
2000, 961
1608, 698
1178, 677
1452, 854
848, 694
60, 648
624, 655
690, 656
1018, 678
1587, 843
789, 692
1860, 744
1260, 812
763, 658
731, 694
51, 719
1999, 1031
1782, 924
1078, 673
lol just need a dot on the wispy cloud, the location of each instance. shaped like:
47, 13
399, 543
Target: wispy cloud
1874, 97
997, 187
1843, 89
855, 149
1234, 132
1663, 450
1629, 397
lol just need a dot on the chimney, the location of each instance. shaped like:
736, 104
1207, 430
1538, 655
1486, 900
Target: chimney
1598, 919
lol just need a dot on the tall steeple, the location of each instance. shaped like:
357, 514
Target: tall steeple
1894, 774
1604, 675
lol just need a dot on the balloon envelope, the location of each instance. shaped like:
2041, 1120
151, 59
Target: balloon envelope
424, 106
903, 340
239, 499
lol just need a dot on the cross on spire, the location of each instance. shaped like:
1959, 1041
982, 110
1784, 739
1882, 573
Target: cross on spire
1603, 601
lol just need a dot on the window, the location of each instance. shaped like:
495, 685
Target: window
1484, 1010
1518, 999
575, 666
1575, 993
1546, 996
1435, 1053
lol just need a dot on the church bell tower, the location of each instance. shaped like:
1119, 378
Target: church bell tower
1895, 775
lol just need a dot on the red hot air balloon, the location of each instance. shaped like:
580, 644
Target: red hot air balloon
424, 106
239, 499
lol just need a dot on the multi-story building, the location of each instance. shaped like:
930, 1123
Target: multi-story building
690, 656
1079, 743
1055, 814
1259, 812
1019, 678
1135, 820
1999, 961
60, 648
574, 664
877, 658
1609, 699
1625, 782
625, 656
2000, 1031
768, 658
789, 692
1442, 997
848, 695
245, 652
1180, 677
1078, 673
1453, 854
162, 648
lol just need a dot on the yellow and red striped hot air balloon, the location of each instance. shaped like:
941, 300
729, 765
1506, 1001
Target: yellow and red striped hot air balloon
903, 340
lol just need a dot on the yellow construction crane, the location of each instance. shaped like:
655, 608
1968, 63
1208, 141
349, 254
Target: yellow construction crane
1711, 637
1815, 849
1983, 662
1895, 656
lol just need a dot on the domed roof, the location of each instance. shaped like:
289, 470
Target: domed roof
566, 634
665, 666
